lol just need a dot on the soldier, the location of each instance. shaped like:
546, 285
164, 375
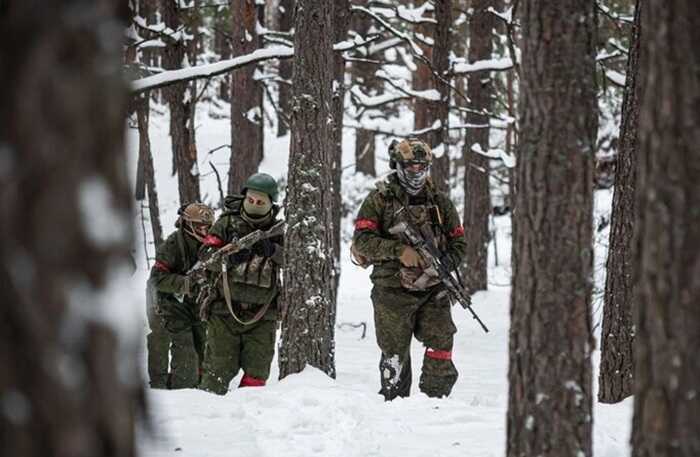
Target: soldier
157, 342
405, 303
177, 293
243, 319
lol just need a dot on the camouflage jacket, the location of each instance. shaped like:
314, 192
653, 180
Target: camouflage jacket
256, 281
174, 258
388, 205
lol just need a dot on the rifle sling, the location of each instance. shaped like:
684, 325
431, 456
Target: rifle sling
229, 302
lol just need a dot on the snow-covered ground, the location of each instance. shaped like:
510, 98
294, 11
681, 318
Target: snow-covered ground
310, 414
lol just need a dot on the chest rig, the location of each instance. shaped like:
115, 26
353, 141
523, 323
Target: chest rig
423, 212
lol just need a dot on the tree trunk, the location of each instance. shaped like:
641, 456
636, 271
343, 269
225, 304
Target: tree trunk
286, 21
70, 383
477, 198
308, 324
616, 358
146, 164
246, 99
438, 112
667, 277
181, 127
363, 74
341, 21
550, 398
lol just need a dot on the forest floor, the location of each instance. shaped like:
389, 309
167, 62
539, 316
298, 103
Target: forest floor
310, 414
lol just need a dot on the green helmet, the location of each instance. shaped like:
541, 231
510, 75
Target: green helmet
262, 182
410, 150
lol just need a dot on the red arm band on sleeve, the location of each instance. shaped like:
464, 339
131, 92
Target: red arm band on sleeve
366, 224
457, 232
161, 266
438, 354
211, 240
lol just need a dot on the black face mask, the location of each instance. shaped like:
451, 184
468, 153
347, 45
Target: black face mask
412, 180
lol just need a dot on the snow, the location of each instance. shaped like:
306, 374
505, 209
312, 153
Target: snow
503, 63
101, 222
310, 414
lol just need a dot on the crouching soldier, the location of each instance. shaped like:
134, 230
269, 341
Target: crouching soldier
177, 293
406, 300
242, 321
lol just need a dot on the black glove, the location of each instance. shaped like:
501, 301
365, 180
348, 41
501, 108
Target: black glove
264, 248
241, 256
448, 263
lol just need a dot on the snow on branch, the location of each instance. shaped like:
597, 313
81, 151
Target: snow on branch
504, 63
432, 95
207, 71
508, 159
393, 30
375, 101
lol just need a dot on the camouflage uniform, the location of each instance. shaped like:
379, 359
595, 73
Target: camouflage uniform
177, 306
246, 341
401, 307
157, 342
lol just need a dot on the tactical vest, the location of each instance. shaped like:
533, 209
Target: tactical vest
255, 282
423, 212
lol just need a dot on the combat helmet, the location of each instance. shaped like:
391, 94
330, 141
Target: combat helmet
411, 158
262, 182
196, 217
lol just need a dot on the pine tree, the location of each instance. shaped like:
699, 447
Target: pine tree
616, 358
308, 325
477, 198
667, 258
246, 98
70, 385
549, 407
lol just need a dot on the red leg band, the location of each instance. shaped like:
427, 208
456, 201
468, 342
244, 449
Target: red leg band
438, 354
249, 381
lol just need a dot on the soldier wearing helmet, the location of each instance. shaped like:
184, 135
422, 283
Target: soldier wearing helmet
243, 321
407, 301
177, 293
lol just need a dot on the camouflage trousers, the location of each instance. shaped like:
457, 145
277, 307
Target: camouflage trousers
232, 347
158, 348
188, 337
400, 314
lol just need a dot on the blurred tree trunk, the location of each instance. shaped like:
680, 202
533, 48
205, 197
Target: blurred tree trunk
550, 385
477, 198
438, 111
667, 258
181, 108
146, 167
246, 98
286, 23
616, 357
70, 384
309, 322
341, 21
363, 74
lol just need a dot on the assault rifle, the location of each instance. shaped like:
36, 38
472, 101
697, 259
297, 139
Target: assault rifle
424, 244
210, 262
234, 246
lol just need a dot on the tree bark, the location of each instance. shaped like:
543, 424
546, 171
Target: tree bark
246, 99
363, 74
439, 111
667, 258
616, 358
286, 21
550, 398
308, 325
70, 383
477, 198
340, 22
181, 127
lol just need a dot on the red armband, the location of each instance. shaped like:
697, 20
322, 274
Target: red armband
438, 354
457, 232
212, 240
161, 266
366, 224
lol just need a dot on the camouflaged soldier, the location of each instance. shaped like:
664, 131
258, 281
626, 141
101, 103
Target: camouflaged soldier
243, 319
177, 293
407, 301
